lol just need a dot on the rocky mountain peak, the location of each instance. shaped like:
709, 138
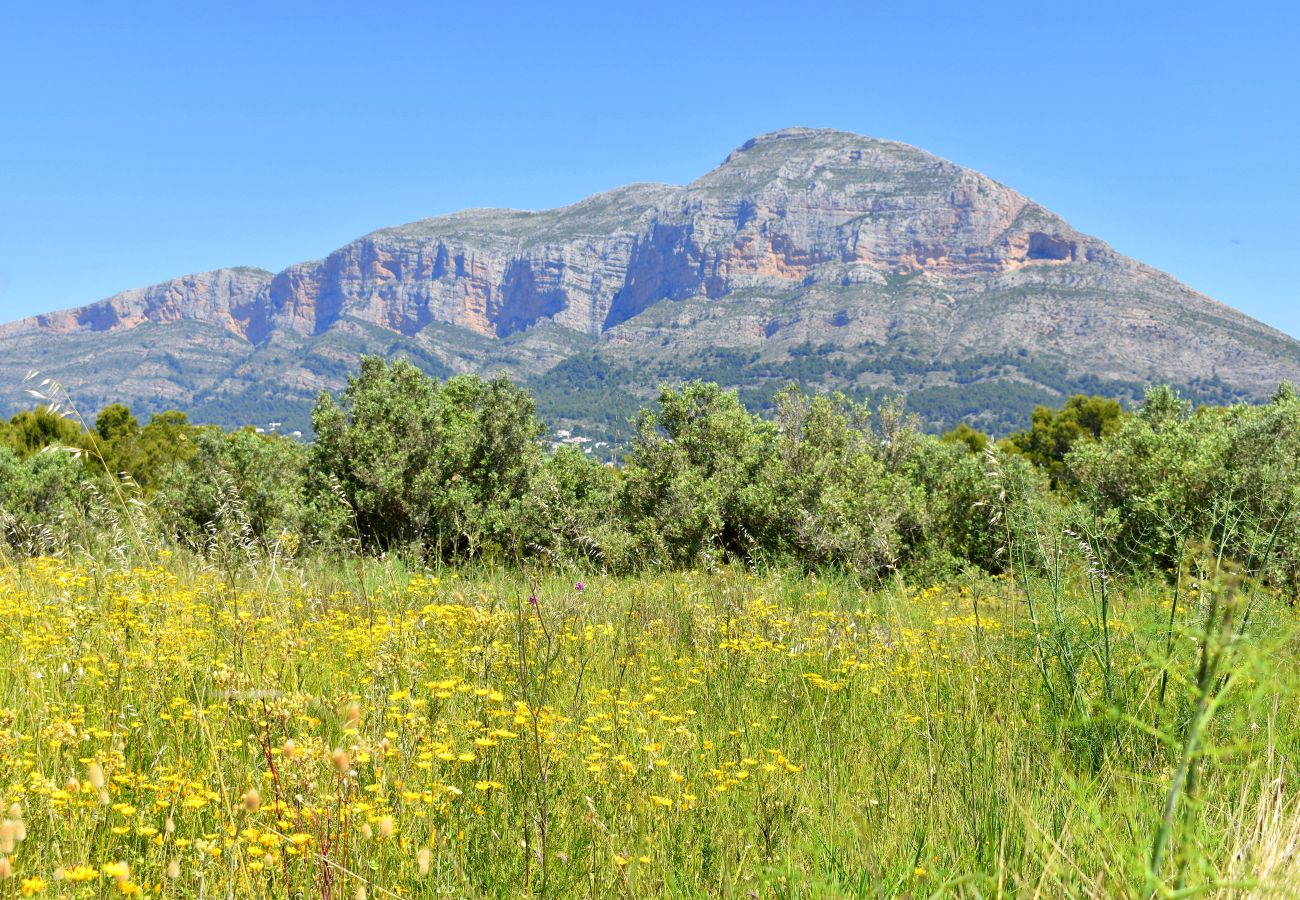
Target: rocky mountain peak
804, 235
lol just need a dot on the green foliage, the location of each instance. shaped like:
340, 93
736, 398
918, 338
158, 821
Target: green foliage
692, 486
457, 470
822, 485
974, 441
115, 423
966, 498
31, 431
1223, 477
570, 515
238, 482
833, 497
439, 464
1052, 435
39, 493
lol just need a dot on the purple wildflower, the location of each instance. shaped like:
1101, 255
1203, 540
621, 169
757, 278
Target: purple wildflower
532, 600
580, 586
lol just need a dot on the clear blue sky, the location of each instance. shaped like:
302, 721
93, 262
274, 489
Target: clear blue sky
143, 141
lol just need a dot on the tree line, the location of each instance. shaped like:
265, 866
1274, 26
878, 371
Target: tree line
456, 470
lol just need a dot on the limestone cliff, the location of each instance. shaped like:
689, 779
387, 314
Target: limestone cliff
859, 246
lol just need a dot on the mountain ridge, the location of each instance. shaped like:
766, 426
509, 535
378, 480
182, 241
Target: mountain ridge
866, 248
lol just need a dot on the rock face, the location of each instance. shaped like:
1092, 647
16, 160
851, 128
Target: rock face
227, 298
869, 250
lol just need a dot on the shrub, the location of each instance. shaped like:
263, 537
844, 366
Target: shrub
39, 494
1222, 476
570, 514
693, 484
237, 482
836, 500
416, 460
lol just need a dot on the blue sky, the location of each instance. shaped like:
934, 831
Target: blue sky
171, 138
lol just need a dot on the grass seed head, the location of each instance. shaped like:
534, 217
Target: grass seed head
252, 800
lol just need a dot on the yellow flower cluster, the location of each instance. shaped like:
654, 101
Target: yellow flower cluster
305, 735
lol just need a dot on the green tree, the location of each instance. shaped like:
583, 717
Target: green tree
570, 515
31, 431
115, 423
1052, 435
39, 495
974, 440
693, 483
840, 495
1222, 476
237, 482
417, 460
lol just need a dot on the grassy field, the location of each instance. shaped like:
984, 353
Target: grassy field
363, 728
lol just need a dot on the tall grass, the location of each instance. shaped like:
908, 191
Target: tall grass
697, 734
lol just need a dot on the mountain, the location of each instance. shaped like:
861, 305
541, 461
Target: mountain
809, 255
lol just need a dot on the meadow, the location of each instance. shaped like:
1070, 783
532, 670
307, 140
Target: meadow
380, 728
817, 653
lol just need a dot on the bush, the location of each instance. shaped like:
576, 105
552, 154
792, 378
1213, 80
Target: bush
1225, 477
39, 496
570, 515
442, 465
238, 483
1052, 435
835, 497
693, 488
707, 480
